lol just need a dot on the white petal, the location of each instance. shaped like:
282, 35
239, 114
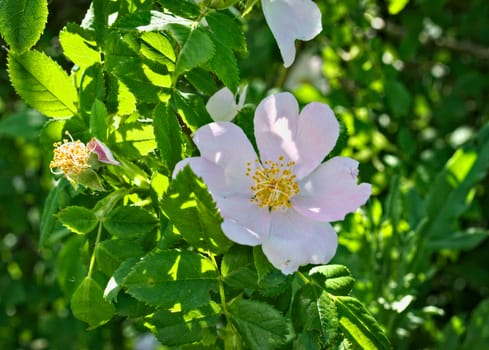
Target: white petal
226, 145
222, 105
331, 191
244, 222
296, 240
305, 139
290, 20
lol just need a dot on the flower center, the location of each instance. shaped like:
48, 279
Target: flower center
70, 158
274, 184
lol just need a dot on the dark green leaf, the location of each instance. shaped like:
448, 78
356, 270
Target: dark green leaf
398, 97
70, 265
27, 124
227, 30
98, 127
478, 329
129, 222
179, 328
225, 66
80, 220
260, 326
110, 254
168, 278
168, 135
191, 209
191, 109
43, 84
465, 240
237, 268
22, 22
88, 304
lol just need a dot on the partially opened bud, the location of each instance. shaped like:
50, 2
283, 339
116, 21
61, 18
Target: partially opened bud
72, 159
102, 151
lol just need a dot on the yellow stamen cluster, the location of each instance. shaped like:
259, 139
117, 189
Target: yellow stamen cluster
70, 158
275, 184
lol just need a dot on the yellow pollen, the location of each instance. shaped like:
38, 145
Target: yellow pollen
274, 183
70, 158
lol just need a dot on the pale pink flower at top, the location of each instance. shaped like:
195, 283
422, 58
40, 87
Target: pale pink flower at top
286, 199
222, 105
291, 20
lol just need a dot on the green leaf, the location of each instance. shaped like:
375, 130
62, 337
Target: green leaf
197, 48
129, 222
314, 312
237, 268
92, 88
179, 328
260, 326
70, 265
191, 209
135, 139
192, 110
184, 8
270, 279
336, 279
225, 66
168, 278
204, 81
77, 47
89, 305
465, 240
42, 83
396, 6
111, 253
98, 126
478, 329
398, 97
227, 30
22, 22
359, 325
57, 198
450, 195
114, 284
168, 134
26, 124
158, 47
80, 220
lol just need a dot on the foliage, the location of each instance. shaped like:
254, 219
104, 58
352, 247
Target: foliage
406, 80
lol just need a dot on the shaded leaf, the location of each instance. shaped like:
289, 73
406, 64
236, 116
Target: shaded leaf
129, 222
80, 220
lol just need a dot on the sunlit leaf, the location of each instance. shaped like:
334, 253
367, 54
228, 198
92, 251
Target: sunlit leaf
22, 22
42, 83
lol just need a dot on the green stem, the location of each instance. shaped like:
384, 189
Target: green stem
92, 258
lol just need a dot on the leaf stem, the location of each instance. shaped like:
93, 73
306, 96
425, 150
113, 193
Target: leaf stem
97, 240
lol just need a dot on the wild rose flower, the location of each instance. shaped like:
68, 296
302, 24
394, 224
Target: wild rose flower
286, 200
291, 20
73, 159
222, 105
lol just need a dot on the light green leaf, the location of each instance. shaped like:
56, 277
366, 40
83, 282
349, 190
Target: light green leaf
168, 278
197, 48
359, 325
396, 6
179, 328
89, 305
191, 209
77, 48
336, 279
129, 222
260, 325
22, 22
80, 220
42, 83
168, 134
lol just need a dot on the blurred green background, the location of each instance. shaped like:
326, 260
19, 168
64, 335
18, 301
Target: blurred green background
409, 82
